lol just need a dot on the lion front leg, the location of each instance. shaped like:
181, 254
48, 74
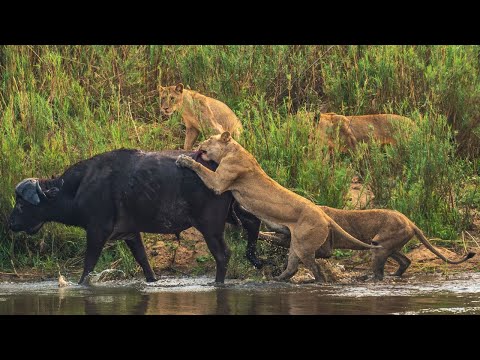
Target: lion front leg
185, 161
190, 137
213, 180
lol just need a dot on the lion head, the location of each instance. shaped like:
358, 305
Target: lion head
215, 147
171, 99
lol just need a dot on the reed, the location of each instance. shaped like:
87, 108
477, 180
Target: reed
61, 104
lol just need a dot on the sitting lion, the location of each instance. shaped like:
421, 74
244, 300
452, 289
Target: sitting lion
262, 196
200, 113
354, 129
390, 229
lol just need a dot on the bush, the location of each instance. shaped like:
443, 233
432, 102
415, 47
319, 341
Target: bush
61, 104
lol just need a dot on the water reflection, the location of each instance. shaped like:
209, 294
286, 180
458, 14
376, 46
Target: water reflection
256, 299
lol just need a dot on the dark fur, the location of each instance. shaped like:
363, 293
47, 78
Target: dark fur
118, 194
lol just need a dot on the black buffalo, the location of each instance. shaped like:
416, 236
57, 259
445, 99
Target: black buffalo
118, 194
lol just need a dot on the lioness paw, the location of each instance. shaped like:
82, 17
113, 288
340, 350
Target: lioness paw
184, 161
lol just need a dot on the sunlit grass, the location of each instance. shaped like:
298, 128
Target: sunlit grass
62, 104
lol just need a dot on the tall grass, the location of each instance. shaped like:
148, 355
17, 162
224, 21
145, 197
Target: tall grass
61, 104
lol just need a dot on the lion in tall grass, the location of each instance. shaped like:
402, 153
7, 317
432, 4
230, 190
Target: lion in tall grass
352, 130
200, 113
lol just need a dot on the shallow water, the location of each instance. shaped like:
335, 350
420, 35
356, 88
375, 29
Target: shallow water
460, 294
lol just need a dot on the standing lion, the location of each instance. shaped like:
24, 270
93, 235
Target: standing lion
200, 113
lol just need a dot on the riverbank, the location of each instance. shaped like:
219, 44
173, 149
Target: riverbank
190, 257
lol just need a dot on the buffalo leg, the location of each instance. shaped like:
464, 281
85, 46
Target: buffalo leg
251, 224
96, 239
217, 246
135, 244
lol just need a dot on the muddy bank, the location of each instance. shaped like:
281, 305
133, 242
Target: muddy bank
190, 257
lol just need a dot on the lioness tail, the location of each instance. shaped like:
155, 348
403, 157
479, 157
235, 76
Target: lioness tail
430, 247
349, 237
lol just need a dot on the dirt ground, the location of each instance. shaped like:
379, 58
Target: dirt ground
166, 253
191, 256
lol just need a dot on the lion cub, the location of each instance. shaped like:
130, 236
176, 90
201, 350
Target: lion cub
200, 113
262, 196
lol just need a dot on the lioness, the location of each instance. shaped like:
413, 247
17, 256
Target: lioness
354, 129
200, 113
262, 196
390, 229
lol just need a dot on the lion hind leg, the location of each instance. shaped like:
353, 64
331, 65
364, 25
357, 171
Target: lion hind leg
380, 257
292, 267
308, 239
403, 262
318, 272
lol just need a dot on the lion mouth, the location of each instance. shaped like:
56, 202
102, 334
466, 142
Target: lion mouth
167, 114
204, 155
201, 154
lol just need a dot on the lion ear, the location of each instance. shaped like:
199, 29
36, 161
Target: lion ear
179, 88
226, 137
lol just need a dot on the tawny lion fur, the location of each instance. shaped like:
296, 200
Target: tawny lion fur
200, 113
239, 172
390, 229
355, 129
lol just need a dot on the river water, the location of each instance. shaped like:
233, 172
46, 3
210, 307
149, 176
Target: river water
425, 294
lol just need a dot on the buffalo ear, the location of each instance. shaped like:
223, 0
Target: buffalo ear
226, 137
179, 88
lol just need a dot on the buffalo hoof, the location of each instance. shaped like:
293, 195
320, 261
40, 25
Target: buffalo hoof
216, 284
369, 278
150, 280
86, 281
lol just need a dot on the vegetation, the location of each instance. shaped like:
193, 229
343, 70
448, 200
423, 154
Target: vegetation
61, 104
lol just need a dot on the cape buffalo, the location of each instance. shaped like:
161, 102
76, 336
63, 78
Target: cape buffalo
118, 194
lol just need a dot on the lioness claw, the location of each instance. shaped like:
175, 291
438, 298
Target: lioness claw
183, 161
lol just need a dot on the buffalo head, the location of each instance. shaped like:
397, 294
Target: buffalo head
32, 204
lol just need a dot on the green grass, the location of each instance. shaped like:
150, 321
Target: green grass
61, 104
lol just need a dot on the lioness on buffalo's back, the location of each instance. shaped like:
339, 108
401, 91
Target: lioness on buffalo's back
390, 229
200, 113
262, 196
120, 193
